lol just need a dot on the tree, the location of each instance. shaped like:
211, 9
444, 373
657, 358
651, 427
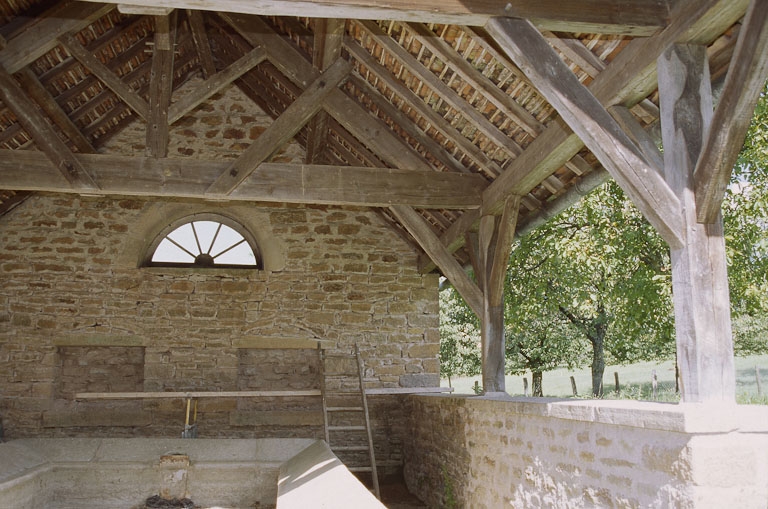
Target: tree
601, 267
459, 337
745, 217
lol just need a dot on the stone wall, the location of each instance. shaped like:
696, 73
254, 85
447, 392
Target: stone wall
528, 453
77, 314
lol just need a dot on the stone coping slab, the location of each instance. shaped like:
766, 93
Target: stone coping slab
22, 456
679, 417
316, 478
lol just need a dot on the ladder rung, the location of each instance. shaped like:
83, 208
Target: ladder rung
346, 428
349, 448
344, 409
360, 469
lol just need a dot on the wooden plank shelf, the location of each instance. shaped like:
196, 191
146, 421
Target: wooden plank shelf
195, 394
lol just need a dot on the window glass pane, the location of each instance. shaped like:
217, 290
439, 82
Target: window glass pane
240, 255
226, 239
168, 252
227, 247
206, 230
184, 236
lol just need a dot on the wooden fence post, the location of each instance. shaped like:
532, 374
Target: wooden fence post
654, 384
616, 378
573, 386
525, 386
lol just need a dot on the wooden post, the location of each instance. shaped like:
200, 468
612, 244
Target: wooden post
757, 380
654, 385
489, 252
699, 274
525, 387
573, 386
616, 378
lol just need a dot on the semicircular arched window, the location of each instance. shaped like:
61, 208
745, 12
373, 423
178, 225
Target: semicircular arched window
206, 241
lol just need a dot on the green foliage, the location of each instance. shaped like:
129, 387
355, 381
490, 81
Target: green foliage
598, 274
448, 492
459, 337
745, 216
750, 334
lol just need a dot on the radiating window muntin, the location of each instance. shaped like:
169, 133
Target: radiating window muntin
204, 241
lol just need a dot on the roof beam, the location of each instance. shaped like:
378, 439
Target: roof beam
446, 93
743, 84
347, 112
469, 73
631, 17
412, 100
43, 35
283, 128
592, 123
200, 40
45, 138
623, 81
39, 94
124, 92
161, 85
326, 49
214, 84
292, 183
430, 243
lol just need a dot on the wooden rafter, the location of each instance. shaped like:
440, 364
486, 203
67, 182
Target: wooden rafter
43, 35
592, 123
743, 84
327, 48
283, 129
38, 93
202, 45
446, 93
200, 92
347, 112
401, 120
631, 17
161, 85
503, 101
624, 81
416, 103
292, 183
429, 242
43, 135
121, 89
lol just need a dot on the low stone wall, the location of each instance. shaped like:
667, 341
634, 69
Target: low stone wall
479, 452
123, 473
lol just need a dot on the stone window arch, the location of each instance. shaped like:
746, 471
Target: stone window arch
205, 240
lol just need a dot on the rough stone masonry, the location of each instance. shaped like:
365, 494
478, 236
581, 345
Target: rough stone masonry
78, 313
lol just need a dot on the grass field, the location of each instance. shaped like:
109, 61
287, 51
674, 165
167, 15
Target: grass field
635, 381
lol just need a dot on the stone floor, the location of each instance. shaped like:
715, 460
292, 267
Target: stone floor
395, 495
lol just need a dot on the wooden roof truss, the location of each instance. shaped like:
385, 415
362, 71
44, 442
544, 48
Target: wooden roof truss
462, 122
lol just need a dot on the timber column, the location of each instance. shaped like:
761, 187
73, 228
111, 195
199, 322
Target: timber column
699, 271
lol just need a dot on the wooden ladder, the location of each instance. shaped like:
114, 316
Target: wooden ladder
346, 421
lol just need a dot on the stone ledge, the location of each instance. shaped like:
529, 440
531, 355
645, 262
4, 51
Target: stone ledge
684, 417
100, 340
103, 417
263, 342
277, 418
